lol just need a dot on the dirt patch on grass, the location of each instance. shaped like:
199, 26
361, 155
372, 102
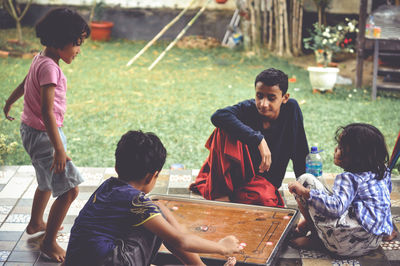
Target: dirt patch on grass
198, 42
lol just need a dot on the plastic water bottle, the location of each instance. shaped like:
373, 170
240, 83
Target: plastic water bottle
369, 27
314, 162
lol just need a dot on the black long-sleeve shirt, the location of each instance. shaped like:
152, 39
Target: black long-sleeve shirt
285, 137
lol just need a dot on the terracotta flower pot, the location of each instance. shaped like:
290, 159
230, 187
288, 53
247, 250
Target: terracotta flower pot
101, 30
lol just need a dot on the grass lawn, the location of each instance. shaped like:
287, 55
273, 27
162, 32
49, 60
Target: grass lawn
176, 99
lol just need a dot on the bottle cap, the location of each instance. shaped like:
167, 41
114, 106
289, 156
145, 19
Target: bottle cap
314, 149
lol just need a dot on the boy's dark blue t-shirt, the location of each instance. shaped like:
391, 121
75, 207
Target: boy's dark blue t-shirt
286, 137
113, 209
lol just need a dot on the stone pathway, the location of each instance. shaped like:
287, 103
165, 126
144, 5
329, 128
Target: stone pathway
18, 184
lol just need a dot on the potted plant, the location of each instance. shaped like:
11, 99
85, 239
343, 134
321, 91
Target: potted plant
100, 29
325, 41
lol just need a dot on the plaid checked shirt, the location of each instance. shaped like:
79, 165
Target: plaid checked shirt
369, 197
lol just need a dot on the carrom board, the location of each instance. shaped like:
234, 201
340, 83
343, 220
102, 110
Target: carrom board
262, 229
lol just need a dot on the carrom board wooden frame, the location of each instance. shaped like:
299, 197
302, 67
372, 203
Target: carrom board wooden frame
263, 229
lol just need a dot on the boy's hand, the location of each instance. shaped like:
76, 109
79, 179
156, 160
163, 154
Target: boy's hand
265, 156
298, 189
231, 245
60, 159
6, 110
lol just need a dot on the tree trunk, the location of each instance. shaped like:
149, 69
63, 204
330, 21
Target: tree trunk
15, 13
319, 16
19, 31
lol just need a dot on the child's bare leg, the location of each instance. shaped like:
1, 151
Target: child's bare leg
40, 200
187, 258
303, 224
57, 214
306, 242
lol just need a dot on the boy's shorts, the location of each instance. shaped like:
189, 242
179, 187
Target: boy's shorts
39, 147
139, 247
343, 236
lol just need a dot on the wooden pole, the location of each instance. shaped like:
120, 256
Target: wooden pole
361, 42
150, 43
180, 35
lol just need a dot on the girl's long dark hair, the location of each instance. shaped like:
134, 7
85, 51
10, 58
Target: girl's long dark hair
363, 149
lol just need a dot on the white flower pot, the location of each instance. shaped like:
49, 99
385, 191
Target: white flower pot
323, 78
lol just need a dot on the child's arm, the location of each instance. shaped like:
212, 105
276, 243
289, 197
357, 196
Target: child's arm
174, 236
15, 95
47, 98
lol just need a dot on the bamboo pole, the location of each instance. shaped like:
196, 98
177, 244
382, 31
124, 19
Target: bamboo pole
276, 28
300, 25
270, 26
150, 43
294, 21
286, 28
265, 22
179, 35
257, 9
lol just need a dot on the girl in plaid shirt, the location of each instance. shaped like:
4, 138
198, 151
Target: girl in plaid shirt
353, 218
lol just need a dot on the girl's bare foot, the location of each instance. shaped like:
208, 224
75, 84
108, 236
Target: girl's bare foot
230, 262
53, 251
301, 229
391, 237
34, 228
302, 226
306, 242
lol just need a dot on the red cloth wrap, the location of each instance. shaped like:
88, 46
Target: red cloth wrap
215, 178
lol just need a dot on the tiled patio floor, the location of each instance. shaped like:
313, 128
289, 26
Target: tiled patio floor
18, 184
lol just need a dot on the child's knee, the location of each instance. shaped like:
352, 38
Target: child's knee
305, 179
71, 194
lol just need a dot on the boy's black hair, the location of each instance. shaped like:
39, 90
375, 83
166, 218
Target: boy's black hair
138, 154
362, 148
60, 27
272, 77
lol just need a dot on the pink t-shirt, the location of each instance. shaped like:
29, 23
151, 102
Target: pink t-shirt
43, 71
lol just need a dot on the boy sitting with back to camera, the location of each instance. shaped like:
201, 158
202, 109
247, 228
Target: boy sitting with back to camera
120, 225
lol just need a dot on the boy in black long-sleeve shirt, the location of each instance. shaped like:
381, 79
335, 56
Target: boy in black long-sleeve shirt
252, 145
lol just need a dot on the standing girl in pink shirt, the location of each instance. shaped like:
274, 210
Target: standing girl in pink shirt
62, 32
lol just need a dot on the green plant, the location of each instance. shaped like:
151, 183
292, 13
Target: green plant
6, 148
331, 39
97, 10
